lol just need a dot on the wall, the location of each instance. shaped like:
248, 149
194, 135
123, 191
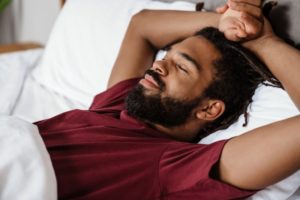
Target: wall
28, 20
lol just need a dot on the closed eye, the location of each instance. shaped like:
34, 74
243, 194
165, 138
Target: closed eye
181, 68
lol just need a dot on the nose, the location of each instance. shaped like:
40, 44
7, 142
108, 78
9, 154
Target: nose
160, 67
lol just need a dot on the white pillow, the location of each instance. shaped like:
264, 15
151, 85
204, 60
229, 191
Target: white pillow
85, 42
269, 105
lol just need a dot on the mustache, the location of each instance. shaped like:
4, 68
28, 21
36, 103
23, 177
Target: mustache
157, 78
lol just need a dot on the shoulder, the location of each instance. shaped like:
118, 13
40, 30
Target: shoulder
189, 163
114, 94
186, 170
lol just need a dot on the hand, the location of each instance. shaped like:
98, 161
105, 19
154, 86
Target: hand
241, 19
266, 35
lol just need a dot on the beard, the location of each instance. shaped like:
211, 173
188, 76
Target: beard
155, 109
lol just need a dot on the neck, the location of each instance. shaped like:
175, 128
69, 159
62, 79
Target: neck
186, 132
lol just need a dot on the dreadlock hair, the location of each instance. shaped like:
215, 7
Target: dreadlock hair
237, 74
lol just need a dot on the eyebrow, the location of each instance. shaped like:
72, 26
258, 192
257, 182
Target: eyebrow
190, 59
186, 56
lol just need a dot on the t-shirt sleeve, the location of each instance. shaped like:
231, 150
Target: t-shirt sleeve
185, 173
113, 98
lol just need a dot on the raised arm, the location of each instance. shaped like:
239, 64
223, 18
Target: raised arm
283, 61
151, 30
270, 153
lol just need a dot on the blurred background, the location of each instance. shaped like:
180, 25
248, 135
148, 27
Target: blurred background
27, 20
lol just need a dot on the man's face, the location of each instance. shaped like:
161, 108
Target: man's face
172, 88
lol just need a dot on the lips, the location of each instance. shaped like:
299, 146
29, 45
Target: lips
149, 82
150, 79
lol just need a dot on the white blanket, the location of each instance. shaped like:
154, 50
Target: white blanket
14, 68
26, 172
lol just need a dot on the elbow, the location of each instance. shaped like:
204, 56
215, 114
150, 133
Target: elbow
139, 22
141, 14
140, 17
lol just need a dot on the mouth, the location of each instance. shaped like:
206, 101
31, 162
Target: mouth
149, 82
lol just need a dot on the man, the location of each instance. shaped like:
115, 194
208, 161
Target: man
110, 152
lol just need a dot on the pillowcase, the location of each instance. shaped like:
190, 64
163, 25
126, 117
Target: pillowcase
84, 44
270, 104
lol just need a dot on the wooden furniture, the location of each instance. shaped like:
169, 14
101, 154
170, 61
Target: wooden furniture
62, 2
19, 47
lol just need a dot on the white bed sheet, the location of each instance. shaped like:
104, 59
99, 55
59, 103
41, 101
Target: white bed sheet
37, 102
24, 97
14, 67
26, 172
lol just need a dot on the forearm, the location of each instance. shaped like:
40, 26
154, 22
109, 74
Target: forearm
270, 153
162, 27
283, 61
263, 156
151, 30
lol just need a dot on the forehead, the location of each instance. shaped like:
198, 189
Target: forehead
199, 48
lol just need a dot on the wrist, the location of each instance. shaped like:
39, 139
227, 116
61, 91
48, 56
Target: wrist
260, 43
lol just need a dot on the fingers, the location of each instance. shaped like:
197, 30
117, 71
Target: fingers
222, 9
235, 34
241, 34
251, 9
240, 28
231, 35
253, 26
241, 19
245, 28
234, 30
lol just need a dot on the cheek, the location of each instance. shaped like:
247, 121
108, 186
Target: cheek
180, 89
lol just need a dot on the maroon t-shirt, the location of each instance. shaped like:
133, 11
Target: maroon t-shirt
103, 153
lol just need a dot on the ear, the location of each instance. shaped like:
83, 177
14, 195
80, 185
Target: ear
210, 110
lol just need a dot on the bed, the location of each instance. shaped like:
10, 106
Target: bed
74, 67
